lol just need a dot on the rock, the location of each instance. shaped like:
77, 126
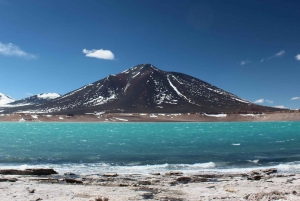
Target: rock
31, 190
255, 177
184, 179
148, 195
154, 173
69, 173
3, 179
73, 181
201, 179
290, 180
12, 180
269, 171
28, 172
110, 175
101, 199
173, 173
144, 182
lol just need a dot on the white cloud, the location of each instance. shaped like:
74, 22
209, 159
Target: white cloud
14, 50
282, 52
297, 57
279, 54
242, 63
259, 101
270, 101
295, 98
280, 106
99, 54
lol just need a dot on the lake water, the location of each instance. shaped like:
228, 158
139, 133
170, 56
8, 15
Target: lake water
88, 148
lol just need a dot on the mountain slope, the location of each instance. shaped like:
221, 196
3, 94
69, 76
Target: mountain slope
144, 88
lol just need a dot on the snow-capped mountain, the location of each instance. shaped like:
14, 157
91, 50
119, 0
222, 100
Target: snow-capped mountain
145, 88
5, 99
35, 99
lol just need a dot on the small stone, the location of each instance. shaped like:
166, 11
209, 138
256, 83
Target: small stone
72, 181
173, 173
184, 179
69, 173
154, 173
12, 180
144, 182
148, 195
31, 190
110, 175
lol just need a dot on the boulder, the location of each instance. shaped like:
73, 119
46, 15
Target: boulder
73, 181
184, 179
110, 175
173, 173
28, 172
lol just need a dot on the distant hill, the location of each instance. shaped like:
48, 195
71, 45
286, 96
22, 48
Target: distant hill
35, 99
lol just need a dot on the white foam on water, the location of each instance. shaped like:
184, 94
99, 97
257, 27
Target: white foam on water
100, 168
253, 161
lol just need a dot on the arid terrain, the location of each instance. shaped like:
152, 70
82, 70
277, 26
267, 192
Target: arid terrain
153, 117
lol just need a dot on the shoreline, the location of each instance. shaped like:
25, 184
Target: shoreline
261, 184
153, 117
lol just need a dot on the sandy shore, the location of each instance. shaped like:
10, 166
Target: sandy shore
173, 186
152, 117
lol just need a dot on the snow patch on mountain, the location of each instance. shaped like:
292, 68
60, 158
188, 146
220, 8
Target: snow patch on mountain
5, 99
48, 95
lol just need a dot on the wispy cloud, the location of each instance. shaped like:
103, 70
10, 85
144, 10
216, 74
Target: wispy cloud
259, 101
242, 63
14, 50
297, 57
99, 54
263, 100
295, 98
270, 101
278, 54
280, 106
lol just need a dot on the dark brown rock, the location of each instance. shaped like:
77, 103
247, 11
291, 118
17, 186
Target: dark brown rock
69, 173
144, 182
173, 173
184, 179
154, 173
110, 175
255, 177
28, 172
3, 179
73, 181
270, 171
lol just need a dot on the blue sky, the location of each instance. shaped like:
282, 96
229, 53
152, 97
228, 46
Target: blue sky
246, 47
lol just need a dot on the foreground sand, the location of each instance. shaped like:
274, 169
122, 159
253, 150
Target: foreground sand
152, 117
173, 186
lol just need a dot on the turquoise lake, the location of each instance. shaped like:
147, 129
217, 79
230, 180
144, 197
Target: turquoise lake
144, 147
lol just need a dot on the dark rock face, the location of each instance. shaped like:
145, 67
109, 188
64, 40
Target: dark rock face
28, 172
144, 88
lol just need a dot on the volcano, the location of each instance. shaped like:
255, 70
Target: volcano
145, 88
